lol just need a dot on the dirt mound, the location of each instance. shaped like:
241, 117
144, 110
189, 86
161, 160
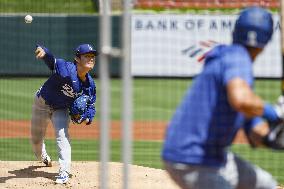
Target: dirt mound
33, 175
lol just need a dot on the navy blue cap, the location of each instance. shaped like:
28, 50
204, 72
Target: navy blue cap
84, 49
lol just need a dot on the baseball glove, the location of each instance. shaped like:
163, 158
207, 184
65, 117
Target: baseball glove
275, 138
78, 108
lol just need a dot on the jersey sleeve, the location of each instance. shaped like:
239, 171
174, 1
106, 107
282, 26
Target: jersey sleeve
60, 67
48, 58
237, 64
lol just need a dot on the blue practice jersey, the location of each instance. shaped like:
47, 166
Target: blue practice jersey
205, 124
63, 86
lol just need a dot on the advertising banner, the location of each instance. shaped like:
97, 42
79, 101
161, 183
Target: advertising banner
173, 45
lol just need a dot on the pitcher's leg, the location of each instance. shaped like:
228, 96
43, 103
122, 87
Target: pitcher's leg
60, 120
45, 158
39, 122
43, 150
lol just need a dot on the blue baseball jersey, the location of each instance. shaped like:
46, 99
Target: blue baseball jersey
63, 86
204, 124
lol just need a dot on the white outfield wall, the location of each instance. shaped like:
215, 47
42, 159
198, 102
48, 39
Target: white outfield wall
161, 44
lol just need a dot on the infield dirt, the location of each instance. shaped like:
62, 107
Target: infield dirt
142, 130
33, 175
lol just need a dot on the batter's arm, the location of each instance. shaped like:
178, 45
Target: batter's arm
242, 98
256, 129
258, 133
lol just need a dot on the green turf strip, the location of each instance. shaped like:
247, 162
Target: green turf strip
50, 6
145, 153
153, 99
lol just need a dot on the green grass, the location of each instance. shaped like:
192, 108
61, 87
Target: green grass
265, 158
16, 96
154, 99
145, 154
44, 6
87, 7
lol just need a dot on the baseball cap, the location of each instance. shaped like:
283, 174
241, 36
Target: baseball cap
84, 49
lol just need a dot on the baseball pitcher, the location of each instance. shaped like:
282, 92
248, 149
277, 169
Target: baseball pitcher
69, 92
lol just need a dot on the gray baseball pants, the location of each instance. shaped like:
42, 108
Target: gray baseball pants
236, 174
41, 115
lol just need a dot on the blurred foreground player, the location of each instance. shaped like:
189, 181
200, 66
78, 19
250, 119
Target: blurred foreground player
219, 103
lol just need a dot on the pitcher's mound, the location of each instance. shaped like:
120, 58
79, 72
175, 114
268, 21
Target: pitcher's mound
33, 175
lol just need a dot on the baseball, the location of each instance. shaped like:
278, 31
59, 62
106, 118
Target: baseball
28, 19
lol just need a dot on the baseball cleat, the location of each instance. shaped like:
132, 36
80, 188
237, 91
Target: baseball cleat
47, 161
62, 178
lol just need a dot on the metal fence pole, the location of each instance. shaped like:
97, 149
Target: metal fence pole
127, 94
105, 23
